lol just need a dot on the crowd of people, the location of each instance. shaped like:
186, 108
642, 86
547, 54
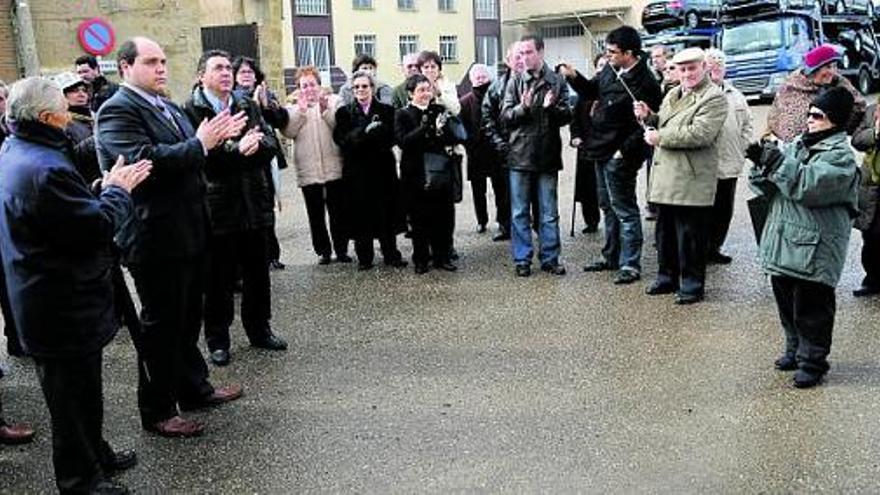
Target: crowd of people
95, 176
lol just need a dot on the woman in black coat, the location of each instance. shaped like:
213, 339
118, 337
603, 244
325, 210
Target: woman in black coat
365, 133
421, 127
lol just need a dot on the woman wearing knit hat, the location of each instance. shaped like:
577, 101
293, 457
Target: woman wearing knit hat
812, 184
786, 117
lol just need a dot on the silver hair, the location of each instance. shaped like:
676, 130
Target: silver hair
363, 73
32, 96
716, 55
478, 68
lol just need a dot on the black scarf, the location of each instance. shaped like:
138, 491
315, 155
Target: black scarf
811, 138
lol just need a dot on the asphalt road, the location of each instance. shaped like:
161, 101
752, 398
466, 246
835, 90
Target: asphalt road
479, 381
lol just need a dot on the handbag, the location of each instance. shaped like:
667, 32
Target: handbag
438, 171
456, 127
759, 209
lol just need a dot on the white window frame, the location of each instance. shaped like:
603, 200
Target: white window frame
488, 50
310, 53
448, 48
365, 44
486, 9
410, 41
311, 7
406, 5
446, 5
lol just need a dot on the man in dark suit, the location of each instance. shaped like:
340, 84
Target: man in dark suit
164, 245
240, 202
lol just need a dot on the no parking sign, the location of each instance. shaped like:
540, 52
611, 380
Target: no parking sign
96, 36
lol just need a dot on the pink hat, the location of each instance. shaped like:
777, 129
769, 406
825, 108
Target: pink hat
819, 57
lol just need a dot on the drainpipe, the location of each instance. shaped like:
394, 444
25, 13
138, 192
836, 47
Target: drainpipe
25, 42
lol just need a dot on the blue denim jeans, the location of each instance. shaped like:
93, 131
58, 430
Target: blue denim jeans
544, 186
616, 181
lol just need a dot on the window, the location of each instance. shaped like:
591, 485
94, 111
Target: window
486, 9
487, 50
409, 43
362, 4
313, 50
365, 44
449, 48
311, 7
446, 5
406, 4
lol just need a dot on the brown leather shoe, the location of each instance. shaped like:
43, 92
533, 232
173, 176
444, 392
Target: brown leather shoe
221, 395
15, 434
177, 427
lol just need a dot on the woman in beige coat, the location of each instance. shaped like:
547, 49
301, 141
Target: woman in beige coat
318, 163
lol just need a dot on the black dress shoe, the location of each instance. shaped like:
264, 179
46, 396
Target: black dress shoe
785, 362
656, 289
396, 263
120, 460
626, 277
14, 349
807, 379
343, 258
501, 236
523, 270
719, 259
276, 265
685, 299
447, 266
362, 267
865, 291
220, 357
481, 229
271, 342
107, 487
325, 259
453, 254
421, 268
553, 268
590, 229
599, 266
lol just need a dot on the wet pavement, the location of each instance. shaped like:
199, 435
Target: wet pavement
479, 381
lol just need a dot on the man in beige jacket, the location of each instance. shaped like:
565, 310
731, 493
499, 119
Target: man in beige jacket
684, 175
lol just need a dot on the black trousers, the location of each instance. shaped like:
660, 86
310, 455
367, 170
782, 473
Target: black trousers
13, 344
324, 200
72, 388
364, 248
722, 213
501, 189
871, 253
273, 248
172, 369
585, 190
682, 233
432, 215
227, 252
806, 310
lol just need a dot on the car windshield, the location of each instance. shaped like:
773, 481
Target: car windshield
751, 37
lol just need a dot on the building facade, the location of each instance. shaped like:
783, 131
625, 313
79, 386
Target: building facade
184, 28
330, 33
573, 30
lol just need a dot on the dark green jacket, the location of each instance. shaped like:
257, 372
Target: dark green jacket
813, 201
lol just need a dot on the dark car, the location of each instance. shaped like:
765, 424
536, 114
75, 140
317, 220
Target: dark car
748, 7
663, 14
866, 7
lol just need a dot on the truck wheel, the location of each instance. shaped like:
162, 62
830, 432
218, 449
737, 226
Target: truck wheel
865, 82
691, 20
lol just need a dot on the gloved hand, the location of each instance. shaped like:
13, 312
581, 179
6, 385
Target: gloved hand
754, 152
771, 157
373, 126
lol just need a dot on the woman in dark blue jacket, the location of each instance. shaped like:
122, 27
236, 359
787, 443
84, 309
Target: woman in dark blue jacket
56, 241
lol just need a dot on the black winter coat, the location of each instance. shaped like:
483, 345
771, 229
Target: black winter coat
170, 221
81, 131
482, 159
373, 205
102, 90
416, 134
492, 123
615, 127
535, 144
239, 191
56, 240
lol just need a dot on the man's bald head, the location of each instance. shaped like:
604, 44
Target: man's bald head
142, 63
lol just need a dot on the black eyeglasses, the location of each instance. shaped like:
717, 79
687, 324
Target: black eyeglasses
816, 115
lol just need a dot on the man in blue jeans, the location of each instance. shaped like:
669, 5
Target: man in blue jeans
617, 148
535, 107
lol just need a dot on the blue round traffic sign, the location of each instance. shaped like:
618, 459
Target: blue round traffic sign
96, 36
